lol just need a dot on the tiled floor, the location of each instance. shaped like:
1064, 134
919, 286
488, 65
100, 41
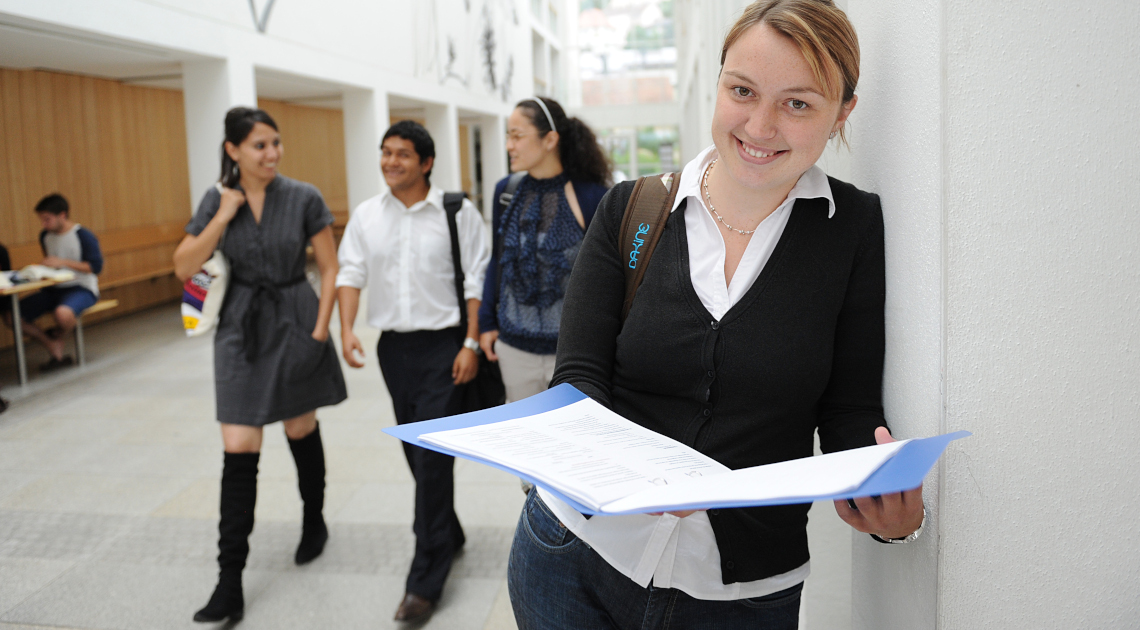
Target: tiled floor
109, 490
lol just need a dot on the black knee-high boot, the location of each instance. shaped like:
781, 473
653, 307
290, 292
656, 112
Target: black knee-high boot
309, 454
239, 495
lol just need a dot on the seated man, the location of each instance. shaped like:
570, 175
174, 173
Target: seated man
66, 245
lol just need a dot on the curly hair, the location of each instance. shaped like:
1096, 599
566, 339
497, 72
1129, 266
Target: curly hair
582, 157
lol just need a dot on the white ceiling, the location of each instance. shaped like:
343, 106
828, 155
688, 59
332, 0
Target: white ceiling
30, 45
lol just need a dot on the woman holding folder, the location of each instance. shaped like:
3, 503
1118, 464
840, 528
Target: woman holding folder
759, 321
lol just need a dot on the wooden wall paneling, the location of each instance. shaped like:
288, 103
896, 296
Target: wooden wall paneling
7, 163
118, 153
97, 207
466, 177
313, 139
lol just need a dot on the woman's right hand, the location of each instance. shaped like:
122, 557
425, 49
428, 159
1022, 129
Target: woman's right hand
487, 343
232, 200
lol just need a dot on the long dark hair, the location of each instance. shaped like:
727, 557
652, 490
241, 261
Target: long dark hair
582, 158
239, 122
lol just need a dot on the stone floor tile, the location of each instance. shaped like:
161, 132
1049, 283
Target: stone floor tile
127, 597
162, 542
13, 481
33, 456
198, 500
146, 460
386, 503
94, 494
177, 431
382, 463
466, 602
71, 428
24, 576
486, 505
345, 602
501, 617
56, 535
358, 431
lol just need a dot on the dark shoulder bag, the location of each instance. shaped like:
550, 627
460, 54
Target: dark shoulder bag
486, 389
641, 227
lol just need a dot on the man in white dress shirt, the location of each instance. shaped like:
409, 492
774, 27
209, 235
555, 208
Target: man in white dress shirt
398, 245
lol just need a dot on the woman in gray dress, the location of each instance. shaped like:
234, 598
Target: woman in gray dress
273, 359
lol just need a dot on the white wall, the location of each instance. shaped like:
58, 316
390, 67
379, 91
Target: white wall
1042, 178
1002, 141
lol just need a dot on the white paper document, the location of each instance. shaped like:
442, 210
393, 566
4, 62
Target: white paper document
612, 465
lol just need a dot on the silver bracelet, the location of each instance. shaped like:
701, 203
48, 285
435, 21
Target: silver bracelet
905, 539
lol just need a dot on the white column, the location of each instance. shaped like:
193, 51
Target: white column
365, 121
443, 125
209, 89
493, 156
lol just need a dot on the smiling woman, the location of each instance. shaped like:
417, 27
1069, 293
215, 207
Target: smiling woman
759, 322
273, 360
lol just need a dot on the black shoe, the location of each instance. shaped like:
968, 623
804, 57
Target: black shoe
55, 364
226, 602
313, 539
309, 455
414, 608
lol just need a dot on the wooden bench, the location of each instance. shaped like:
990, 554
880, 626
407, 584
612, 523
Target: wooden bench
98, 307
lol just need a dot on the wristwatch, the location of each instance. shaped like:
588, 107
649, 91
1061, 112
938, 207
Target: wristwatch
472, 345
905, 539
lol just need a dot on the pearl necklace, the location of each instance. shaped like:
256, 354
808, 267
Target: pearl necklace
708, 198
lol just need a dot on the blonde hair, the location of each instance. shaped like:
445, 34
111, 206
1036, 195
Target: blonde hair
821, 31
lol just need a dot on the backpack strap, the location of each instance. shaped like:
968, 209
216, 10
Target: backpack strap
512, 185
641, 227
452, 202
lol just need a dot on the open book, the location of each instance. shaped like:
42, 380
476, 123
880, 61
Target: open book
602, 463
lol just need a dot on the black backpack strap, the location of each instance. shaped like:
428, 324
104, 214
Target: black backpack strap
641, 227
452, 202
512, 185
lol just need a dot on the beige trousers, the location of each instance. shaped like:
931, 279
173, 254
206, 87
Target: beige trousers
524, 374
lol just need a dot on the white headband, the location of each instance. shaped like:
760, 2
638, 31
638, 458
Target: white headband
549, 118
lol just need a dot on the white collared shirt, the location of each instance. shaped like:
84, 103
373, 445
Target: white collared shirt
402, 256
675, 552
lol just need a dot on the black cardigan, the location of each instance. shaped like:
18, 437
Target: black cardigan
802, 350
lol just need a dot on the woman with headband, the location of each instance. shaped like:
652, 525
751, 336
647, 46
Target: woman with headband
537, 233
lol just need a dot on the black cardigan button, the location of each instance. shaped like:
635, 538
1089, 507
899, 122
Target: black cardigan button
712, 374
707, 412
729, 564
715, 324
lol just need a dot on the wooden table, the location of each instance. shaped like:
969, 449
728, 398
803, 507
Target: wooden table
15, 291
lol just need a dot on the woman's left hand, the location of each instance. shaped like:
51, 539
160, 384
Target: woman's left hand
321, 334
894, 515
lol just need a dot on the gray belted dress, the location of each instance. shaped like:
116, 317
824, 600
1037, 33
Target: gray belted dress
267, 366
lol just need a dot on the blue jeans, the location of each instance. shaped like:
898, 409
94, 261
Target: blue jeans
558, 582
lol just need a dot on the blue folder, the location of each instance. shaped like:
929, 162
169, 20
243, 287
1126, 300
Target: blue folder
904, 471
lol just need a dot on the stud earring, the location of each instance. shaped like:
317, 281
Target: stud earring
832, 136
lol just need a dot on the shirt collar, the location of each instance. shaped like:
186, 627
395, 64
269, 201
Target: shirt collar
434, 198
812, 184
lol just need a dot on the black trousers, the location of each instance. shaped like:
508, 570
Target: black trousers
417, 368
